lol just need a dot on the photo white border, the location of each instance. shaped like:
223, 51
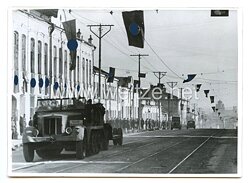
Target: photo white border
240, 68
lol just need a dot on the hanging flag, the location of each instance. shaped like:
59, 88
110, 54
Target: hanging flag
134, 24
70, 31
190, 78
16, 84
198, 86
142, 75
206, 92
111, 75
212, 99
218, 113
219, 13
48, 12
213, 108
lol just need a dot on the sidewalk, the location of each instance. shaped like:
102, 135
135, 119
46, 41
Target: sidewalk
16, 143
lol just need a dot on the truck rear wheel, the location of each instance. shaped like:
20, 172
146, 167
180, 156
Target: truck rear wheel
28, 152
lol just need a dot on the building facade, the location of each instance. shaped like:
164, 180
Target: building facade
41, 64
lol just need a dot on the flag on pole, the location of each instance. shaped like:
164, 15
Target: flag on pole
111, 75
190, 78
70, 31
134, 24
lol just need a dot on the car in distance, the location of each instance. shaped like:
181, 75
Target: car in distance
191, 124
176, 122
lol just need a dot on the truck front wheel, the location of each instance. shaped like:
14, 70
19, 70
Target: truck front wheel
28, 152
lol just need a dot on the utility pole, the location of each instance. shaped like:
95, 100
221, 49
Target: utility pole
100, 36
181, 106
171, 85
139, 78
159, 76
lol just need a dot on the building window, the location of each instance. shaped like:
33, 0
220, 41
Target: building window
39, 57
46, 59
90, 69
78, 68
16, 41
23, 52
60, 63
87, 72
32, 55
83, 70
55, 61
65, 65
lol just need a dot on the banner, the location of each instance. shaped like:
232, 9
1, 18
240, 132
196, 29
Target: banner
134, 25
111, 75
190, 78
212, 99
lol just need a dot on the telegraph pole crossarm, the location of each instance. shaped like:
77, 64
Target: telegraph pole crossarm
100, 36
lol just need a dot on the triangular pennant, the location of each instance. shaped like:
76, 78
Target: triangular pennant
213, 108
198, 86
206, 92
190, 78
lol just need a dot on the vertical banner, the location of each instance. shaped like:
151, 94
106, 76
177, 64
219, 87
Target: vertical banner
134, 25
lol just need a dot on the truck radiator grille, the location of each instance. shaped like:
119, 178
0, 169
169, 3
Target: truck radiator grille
52, 126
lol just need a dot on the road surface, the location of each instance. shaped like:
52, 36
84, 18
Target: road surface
199, 151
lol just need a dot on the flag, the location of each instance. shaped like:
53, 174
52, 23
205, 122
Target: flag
198, 86
219, 13
218, 113
70, 31
134, 24
111, 75
212, 99
142, 75
123, 81
206, 92
16, 83
213, 108
190, 78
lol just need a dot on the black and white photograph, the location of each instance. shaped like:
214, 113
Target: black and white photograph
124, 92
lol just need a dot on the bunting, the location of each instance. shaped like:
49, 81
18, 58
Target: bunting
206, 92
190, 78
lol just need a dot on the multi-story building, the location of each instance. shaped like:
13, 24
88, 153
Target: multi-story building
41, 62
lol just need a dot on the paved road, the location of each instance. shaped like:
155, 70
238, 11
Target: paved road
200, 151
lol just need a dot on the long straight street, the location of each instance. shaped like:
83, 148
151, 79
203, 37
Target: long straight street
200, 151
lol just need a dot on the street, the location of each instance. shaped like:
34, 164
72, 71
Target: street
199, 151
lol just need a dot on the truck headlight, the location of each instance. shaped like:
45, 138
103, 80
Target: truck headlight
68, 130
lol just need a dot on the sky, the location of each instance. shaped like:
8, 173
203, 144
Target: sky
179, 42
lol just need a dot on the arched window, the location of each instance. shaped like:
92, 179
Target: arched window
23, 53
32, 55
39, 57
60, 62
46, 59
16, 45
65, 65
55, 61
83, 70
90, 73
87, 72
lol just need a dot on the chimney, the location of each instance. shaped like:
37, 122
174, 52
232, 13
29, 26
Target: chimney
90, 39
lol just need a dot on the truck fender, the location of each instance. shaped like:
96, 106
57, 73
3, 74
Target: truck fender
29, 132
79, 130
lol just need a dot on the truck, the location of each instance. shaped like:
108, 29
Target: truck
176, 122
69, 124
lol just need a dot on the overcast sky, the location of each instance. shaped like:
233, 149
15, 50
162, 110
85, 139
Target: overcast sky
187, 41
